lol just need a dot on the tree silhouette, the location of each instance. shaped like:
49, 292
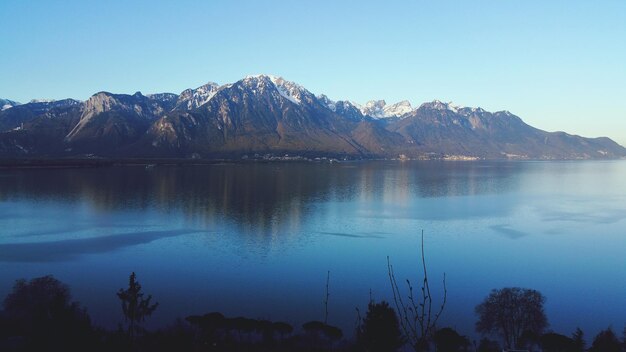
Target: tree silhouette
578, 340
553, 342
487, 345
209, 324
134, 306
331, 332
380, 331
41, 311
282, 328
448, 340
512, 313
320, 332
605, 341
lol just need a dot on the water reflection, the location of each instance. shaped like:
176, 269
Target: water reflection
266, 199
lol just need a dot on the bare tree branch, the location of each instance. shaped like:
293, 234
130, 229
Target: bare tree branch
417, 319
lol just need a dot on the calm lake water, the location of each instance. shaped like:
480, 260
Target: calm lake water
258, 239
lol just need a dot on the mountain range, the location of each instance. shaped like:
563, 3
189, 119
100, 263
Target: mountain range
268, 115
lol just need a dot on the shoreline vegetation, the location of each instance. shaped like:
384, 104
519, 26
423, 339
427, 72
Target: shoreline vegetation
40, 315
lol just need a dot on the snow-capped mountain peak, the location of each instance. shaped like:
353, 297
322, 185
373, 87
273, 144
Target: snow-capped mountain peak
380, 110
374, 108
194, 98
287, 89
327, 102
162, 96
439, 105
398, 109
35, 101
290, 90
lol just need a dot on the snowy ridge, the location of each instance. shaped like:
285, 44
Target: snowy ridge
268, 114
398, 109
348, 109
439, 105
374, 108
52, 103
327, 102
190, 99
380, 110
163, 96
291, 91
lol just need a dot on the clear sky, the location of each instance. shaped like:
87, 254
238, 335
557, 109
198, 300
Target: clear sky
559, 65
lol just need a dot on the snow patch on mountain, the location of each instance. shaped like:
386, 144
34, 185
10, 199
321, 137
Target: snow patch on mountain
163, 96
327, 102
380, 110
398, 109
7, 104
439, 105
291, 91
190, 99
374, 108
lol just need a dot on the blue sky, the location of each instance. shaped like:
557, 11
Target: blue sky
560, 65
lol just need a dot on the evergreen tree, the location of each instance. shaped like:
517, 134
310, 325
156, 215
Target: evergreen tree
134, 306
606, 341
380, 331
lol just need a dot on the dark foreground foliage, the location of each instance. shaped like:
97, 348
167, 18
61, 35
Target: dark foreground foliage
380, 331
39, 315
515, 314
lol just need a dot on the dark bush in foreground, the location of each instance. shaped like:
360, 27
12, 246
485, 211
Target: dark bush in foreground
553, 342
606, 341
515, 314
448, 340
40, 316
487, 345
380, 331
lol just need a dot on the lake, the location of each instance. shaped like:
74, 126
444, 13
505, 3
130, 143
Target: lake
258, 239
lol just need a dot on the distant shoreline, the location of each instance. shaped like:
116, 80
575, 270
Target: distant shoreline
92, 163
107, 162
